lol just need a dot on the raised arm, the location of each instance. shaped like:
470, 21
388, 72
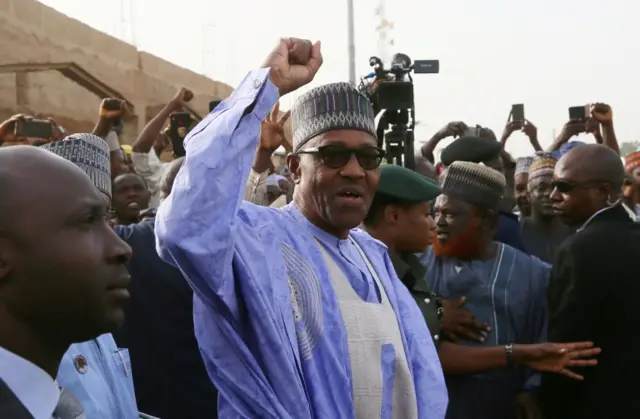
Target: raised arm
198, 224
195, 224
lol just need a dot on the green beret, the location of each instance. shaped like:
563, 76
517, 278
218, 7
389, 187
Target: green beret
472, 149
406, 185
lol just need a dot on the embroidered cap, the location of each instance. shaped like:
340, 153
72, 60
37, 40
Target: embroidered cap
474, 183
522, 165
631, 161
330, 107
542, 166
90, 153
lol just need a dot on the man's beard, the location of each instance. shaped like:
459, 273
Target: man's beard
466, 245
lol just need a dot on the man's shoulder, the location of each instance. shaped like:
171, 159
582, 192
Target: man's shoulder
606, 237
523, 259
362, 237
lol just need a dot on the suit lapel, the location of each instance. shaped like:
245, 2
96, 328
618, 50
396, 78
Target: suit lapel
10, 405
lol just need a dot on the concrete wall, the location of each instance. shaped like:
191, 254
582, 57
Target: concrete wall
32, 32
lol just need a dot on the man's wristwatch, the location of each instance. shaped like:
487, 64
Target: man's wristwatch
509, 352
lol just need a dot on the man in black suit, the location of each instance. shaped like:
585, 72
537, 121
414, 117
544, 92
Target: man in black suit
62, 277
594, 290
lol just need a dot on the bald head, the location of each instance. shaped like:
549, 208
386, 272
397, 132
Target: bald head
594, 162
29, 175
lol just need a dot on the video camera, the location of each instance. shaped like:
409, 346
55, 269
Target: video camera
391, 92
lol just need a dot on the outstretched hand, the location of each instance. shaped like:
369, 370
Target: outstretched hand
558, 357
294, 63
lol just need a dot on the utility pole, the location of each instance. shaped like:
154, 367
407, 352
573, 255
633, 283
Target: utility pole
351, 40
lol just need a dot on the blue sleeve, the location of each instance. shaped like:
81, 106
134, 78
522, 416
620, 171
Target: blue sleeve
196, 223
124, 232
508, 232
538, 321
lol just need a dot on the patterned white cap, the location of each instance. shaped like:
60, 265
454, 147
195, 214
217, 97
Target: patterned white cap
90, 153
331, 107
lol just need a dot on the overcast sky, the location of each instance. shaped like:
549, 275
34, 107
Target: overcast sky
546, 54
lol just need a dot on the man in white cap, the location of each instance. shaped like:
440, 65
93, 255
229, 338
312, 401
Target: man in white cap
297, 315
502, 286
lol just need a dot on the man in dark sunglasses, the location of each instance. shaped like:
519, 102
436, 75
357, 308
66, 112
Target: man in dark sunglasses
594, 290
297, 315
542, 230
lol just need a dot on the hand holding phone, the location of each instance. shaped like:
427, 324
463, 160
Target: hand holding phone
601, 112
112, 109
579, 113
34, 128
179, 124
517, 112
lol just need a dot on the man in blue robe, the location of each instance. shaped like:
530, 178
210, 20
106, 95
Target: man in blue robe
503, 287
296, 315
489, 152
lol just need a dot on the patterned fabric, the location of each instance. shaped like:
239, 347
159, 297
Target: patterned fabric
631, 161
90, 153
474, 183
522, 165
331, 107
541, 167
373, 333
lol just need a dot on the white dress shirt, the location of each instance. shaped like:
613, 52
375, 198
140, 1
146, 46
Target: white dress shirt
35, 389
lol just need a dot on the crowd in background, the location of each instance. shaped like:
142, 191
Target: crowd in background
228, 281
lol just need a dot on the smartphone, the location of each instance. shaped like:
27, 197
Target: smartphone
471, 132
178, 129
426, 66
35, 128
112, 104
517, 112
578, 113
213, 104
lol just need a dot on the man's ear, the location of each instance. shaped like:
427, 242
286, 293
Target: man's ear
293, 163
391, 214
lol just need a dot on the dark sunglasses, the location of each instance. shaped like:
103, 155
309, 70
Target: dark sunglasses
336, 157
565, 186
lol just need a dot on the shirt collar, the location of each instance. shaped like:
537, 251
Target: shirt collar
618, 204
317, 232
35, 389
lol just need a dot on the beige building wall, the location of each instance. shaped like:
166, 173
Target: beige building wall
33, 33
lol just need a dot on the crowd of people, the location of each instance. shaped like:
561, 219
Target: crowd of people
225, 284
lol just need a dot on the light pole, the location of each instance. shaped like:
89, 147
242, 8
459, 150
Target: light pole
351, 40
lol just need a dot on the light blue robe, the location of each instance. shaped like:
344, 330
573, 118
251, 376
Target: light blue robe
509, 294
239, 259
105, 386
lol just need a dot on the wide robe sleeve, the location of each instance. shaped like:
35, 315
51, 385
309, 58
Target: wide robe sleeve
225, 249
195, 226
